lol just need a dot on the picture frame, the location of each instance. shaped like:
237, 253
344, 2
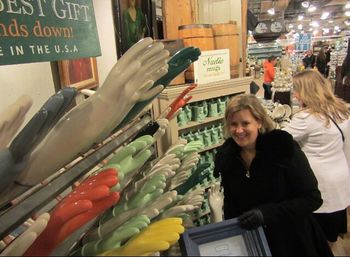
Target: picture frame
224, 238
130, 27
79, 73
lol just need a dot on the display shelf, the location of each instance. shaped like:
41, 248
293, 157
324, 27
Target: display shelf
192, 124
200, 93
19, 213
211, 147
264, 50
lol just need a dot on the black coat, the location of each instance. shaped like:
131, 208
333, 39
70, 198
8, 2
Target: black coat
282, 185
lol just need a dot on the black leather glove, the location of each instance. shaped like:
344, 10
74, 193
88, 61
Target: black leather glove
251, 219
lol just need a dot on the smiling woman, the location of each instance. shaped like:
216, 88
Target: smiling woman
261, 169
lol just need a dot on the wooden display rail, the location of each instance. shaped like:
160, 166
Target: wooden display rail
192, 124
201, 92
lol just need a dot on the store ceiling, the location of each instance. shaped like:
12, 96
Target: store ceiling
289, 10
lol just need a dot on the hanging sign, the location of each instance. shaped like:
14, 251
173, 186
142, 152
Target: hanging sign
47, 30
212, 66
304, 42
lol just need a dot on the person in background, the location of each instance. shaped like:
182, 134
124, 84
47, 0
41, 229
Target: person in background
321, 62
344, 93
269, 75
267, 181
320, 127
309, 60
328, 59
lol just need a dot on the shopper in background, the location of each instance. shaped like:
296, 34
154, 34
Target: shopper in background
321, 62
269, 76
328, 59
309, 60
268, 181
344, 86
320, 127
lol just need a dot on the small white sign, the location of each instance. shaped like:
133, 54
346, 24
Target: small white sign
212, 66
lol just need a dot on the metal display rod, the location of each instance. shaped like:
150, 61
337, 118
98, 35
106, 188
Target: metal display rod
19, 213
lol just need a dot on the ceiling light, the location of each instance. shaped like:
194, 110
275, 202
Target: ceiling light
290, 26
324, 15
300, 17
311, 29
311, 8
300, 26
305, 4
330, 21
347, 6
347, 13
314, 24
271, 11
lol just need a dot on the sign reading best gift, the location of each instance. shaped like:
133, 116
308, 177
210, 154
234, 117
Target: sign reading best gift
47, 30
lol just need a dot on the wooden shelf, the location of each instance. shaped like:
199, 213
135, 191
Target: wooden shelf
191, 124
211, 147
200, 93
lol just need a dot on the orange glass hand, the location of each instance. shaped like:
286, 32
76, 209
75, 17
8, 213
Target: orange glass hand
180, 101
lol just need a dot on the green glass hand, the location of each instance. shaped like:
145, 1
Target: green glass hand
177, 64
196, 178
114, 239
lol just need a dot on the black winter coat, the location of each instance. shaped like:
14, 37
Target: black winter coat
282, 185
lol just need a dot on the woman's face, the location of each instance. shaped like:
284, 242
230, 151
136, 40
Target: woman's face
244, 128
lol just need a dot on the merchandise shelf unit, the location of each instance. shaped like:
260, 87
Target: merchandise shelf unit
264, 50
200, 93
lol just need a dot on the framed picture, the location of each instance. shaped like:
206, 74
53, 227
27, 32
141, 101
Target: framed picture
133, 20
225, 238
80, 73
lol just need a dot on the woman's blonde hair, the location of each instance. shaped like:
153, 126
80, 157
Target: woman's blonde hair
315, 92
247, 102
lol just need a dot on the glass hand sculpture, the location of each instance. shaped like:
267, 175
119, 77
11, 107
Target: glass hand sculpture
12, 118
179, 62
85, 202
216, 202
26, 239
15, 157
129, 81
158, 236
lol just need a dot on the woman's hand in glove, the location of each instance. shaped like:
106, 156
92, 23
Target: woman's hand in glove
251, 219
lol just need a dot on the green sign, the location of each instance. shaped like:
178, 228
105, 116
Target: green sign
47, 30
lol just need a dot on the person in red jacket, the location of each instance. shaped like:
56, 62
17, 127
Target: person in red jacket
269, 75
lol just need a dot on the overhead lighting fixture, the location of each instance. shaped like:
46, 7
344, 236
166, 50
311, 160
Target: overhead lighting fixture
324, 15
311, 29
347, 6
290, 26
311, 8
300, 26
305, 4
347, 13
300, 17
314, 24
330, 21
325, 30
271, 11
